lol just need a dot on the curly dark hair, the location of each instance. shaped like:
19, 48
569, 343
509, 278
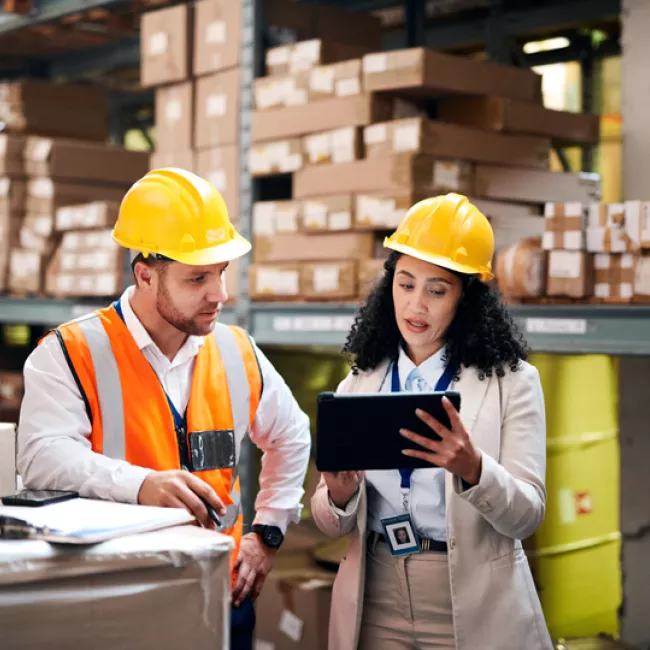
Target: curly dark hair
482, 334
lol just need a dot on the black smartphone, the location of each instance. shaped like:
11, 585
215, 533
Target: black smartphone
36, 498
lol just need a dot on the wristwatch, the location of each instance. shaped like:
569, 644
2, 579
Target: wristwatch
271, 536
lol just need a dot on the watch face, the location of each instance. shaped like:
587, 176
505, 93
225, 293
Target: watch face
273, 537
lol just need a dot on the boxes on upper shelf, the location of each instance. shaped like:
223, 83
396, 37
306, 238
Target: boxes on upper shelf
306, 55
335, 80
570, 274
166, 45
336, 146
26, 269
217, 28
271, 158
11, 155
44, 195
383, 210
420, 172
418, 135
13, 194
513, 116
216, 121
328, 213
220, 166
272, 217
564, 226
324, 115
276, 92
424, 72
612, 228
86, 216
175, 117
614, 277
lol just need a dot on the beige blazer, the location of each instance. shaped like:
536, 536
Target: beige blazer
495, 603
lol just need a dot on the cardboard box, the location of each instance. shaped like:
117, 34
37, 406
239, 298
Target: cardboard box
55, 110
535, 185
10, 225
426, 73
8, 449
337, 146
26, 269
181, 159
520, 269
271, 158
36, 233
95, 215
293, 609
128, 579
614, 277
564, 128
637, 222
166, 45
216, 121
13, 194
217, 29
313, 248
513, 224
329, 213
370, 272
612, 229
383, 210
175, 117
12, 388
335, 80
417, 135
11, 155
74, 160
642, 279
271, 217
306, 55
329, 280
341, 26
45, 196
570, 274
284, 91
274, 282
420, 172
220, 166
320, 116
564, 226
87, 263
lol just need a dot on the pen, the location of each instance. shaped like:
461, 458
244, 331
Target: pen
211, 512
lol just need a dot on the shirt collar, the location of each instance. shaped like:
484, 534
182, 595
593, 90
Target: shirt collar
140, 335
430, 369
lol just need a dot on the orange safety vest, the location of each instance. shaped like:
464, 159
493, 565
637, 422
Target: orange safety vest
128, 408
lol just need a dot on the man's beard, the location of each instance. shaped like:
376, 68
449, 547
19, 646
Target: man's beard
169, 313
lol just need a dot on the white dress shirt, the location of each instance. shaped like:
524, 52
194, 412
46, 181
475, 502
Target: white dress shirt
427, 493
54, 450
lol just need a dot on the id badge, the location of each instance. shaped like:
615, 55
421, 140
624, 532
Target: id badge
400, 535
212, 450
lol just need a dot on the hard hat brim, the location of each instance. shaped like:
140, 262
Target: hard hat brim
237, 247
485, 274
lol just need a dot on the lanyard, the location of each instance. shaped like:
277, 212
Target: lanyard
441, 386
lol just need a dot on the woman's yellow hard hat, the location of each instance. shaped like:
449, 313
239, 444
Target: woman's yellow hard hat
176, 214
447, 231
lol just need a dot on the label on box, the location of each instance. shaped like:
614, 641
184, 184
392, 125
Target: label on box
446, 175
68, 262
318, 146
5, 184
276, 281
41, 188
548, 240
71, 241
106, 284
64, 283
322, 80
626, 290
368, 210
326, 279
341, 220
263, 645
291, 163
406, 137
264, 218
573, 209
158, 43
215, 32
267, 95
173, 111
642, 276
305, 55
375, 134
375, 63
315, 215
573, 240
297, 97
259, 161
565, 265
549, 210
286, 218
218, 178
627, 261
278, 55
348, 87
601, 290
602, 261
42, 149
216, 105
41, 225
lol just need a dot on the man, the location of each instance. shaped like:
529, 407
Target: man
148, 401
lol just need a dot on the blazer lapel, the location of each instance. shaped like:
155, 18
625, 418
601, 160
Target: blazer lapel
472, 394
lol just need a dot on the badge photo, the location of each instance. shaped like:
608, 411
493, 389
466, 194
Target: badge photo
401, 536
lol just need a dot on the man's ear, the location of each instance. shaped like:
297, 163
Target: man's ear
143, 274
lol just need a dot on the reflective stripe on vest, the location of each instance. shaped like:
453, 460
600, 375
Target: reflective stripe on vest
109, 392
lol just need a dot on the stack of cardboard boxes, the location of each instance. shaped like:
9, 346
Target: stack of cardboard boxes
354, 131
39, 175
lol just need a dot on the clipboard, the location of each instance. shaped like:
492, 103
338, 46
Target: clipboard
360, 431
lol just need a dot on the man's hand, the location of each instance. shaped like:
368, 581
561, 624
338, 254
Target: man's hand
252, 566
342, 486
179, 489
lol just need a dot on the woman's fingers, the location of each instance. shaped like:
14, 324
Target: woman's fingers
423, 441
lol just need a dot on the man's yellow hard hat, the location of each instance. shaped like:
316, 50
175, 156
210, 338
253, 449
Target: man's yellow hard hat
447, 231
176, 214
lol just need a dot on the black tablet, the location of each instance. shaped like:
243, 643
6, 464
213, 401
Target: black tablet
357, 432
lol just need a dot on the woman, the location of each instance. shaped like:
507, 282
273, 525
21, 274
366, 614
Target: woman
432, 323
